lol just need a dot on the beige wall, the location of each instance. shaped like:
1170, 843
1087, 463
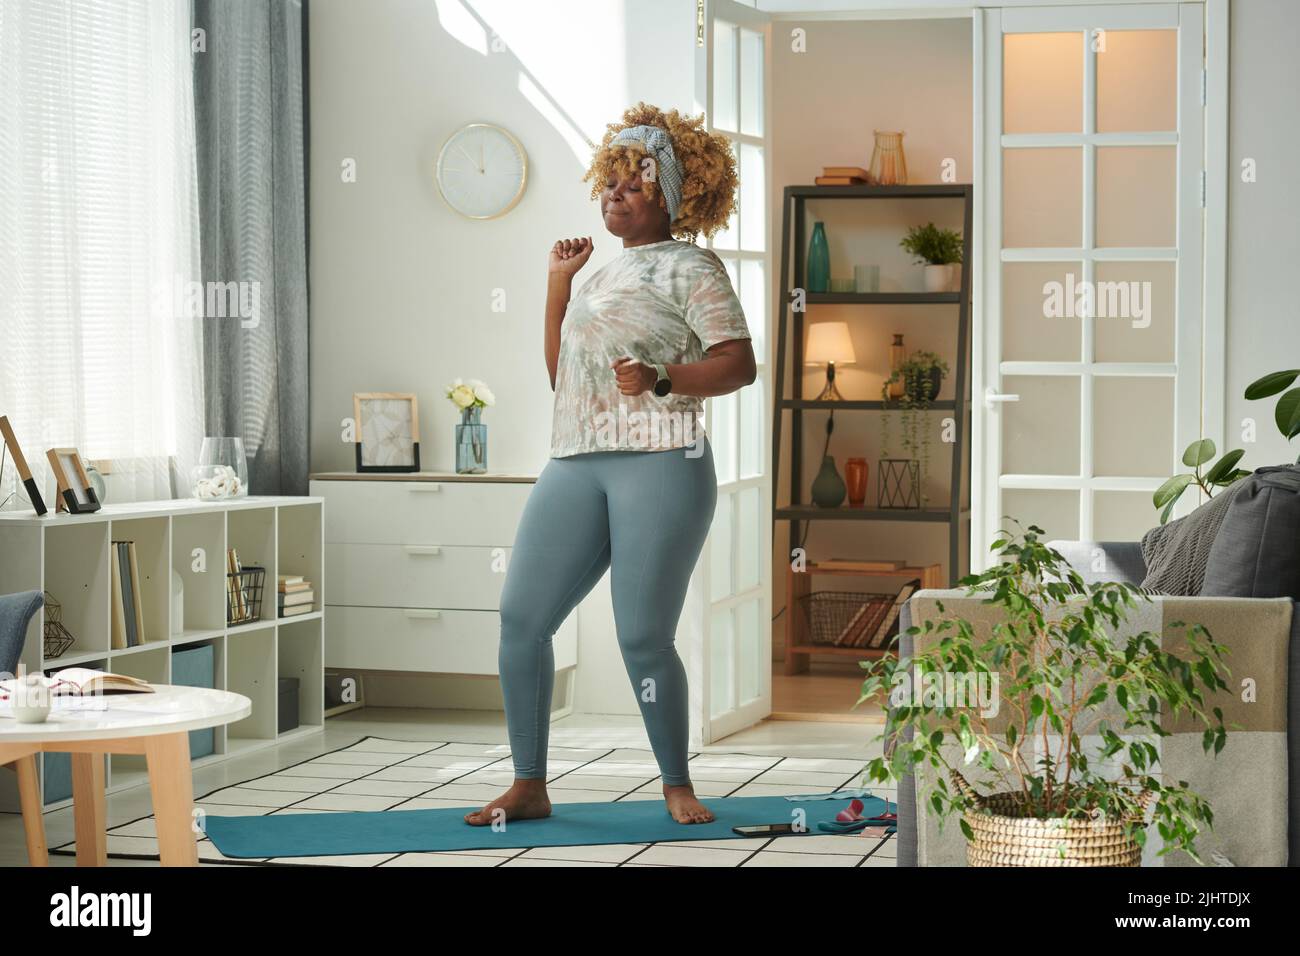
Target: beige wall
1263, 237
858, 76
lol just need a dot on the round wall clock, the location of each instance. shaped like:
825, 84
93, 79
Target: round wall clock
481, 171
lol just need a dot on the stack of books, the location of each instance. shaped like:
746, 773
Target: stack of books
128, 608
844, 176
295, 595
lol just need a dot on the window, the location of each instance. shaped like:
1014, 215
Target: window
99, 237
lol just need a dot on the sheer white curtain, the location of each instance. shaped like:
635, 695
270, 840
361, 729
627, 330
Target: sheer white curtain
99, 237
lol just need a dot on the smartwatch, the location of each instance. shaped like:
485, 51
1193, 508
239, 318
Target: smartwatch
663, 384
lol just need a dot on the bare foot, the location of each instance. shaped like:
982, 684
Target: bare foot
525, 800
684, 807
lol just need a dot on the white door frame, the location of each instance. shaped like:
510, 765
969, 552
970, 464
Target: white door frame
705, 728
1201, 231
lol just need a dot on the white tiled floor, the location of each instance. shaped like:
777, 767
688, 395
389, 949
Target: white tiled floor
383, 759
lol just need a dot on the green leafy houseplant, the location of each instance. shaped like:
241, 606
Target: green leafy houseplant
1221, 474
1286, 413
1055, 661
1224, 472
921, 375
932, 245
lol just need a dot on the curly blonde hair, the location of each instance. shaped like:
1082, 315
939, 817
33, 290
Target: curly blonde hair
708, 168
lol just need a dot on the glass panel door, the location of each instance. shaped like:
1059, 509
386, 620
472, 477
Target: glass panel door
1092, 146
733, 687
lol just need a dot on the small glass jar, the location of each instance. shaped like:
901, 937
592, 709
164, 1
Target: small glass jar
888, 164
222, 471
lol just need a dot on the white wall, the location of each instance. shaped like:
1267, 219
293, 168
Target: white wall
401, 286
1263, 235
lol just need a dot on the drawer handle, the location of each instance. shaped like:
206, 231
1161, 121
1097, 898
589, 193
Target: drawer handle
418, 549
424, 486
423, 615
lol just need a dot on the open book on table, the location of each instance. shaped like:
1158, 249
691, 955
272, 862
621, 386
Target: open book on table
84, 681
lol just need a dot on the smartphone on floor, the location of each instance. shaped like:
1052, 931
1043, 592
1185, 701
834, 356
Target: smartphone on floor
765, 829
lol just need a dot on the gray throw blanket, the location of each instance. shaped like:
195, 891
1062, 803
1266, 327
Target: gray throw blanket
1176, 553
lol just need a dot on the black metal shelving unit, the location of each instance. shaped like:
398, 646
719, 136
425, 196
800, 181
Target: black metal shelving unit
793, 213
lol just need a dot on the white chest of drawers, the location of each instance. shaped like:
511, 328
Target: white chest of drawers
416, 564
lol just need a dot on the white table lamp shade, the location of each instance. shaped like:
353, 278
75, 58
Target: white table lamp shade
829, 342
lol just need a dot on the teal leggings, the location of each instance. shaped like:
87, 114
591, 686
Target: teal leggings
644, 515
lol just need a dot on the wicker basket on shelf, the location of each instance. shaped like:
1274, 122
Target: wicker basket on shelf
828, 615
1001, 837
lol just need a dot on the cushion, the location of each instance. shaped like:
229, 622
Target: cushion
1257, 550
1177, 553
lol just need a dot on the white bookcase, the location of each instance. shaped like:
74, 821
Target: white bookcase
68, 556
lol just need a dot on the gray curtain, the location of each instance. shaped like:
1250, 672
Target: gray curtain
250, 118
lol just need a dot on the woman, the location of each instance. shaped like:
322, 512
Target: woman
630, 484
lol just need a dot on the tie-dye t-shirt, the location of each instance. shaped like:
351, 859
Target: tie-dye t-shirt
660, 303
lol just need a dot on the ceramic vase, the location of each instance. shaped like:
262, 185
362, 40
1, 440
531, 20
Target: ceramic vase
828, 486
855, 476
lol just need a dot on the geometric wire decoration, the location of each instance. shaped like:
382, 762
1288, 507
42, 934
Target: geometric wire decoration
57, 638
898, 483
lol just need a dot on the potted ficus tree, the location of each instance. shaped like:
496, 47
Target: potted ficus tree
1062, 678
940, 251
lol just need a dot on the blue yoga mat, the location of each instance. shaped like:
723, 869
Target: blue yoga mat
570, 824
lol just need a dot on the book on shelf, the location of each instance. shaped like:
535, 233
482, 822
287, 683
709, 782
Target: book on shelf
289, 581
296, 610
889, 626
84, 680
840, 181
128, 592
297, 597
864, 622
857, 564
118, 610
856, 172
127, 600
136, 599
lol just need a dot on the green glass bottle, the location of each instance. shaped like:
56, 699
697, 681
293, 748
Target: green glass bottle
819, 260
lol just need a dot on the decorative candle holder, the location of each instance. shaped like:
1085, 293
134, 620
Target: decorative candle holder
898, 483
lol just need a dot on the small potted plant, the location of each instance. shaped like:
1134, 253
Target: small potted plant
940, 251
1065, 747
470, 397
921, 375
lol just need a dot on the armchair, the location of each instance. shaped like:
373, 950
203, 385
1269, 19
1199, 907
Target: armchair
16, 611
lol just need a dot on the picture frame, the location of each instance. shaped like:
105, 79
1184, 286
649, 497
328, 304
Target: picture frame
20, 462
387, 432
76, 493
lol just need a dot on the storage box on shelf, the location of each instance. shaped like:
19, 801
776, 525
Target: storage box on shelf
420, 559
70, 557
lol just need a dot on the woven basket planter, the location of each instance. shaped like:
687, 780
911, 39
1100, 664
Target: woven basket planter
1001, 838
